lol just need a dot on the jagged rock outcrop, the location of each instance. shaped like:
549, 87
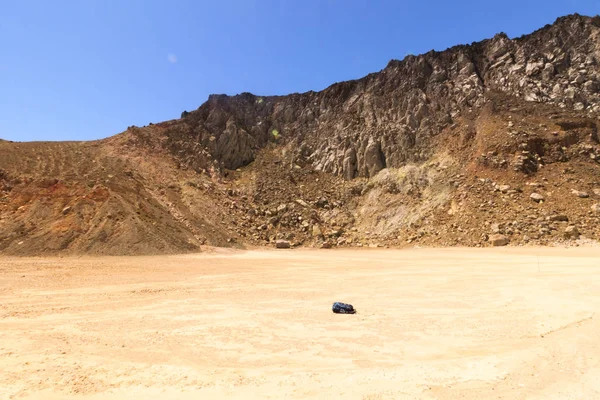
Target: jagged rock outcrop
388, 118
494, 143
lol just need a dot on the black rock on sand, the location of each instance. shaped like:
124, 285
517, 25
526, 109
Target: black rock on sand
343, 308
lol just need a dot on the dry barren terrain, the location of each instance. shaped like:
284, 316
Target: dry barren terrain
432, 324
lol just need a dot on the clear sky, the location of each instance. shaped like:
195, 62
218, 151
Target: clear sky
87, 69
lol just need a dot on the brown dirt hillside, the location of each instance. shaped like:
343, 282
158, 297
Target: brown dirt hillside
491, 143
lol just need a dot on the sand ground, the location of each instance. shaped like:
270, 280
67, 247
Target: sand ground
432, 324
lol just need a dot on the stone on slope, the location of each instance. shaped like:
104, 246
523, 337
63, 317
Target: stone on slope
302, 203
282, 244
571, 232
558, 217
316, 231
580, 194
498, 240
537, 197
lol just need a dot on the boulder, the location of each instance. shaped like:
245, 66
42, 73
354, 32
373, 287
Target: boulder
495, 228
321, 202
534, 68
537, 197
316, 231
596, 208
343, 308
282, 244
302, 203
591, 86
498, 240
571, 232
548, 72
558, 217
580, 194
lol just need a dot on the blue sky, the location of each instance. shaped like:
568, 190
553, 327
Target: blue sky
87, 69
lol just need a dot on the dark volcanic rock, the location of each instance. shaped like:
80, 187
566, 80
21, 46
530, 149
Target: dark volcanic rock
343, 308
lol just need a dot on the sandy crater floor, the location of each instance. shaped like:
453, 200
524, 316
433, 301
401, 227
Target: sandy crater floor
432, 324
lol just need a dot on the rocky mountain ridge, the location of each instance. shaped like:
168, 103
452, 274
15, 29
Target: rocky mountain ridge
492, 143
387, 119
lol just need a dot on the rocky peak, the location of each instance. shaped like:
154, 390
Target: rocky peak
389, 118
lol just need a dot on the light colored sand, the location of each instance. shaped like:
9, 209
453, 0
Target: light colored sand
432, 324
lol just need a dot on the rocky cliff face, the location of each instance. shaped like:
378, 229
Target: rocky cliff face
389, 118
